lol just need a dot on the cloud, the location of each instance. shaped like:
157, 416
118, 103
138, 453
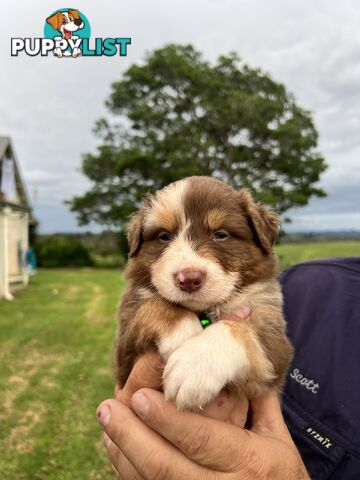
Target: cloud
49, 105
326, 221
41, 177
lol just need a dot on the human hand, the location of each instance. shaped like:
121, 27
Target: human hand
147, 373
163, 443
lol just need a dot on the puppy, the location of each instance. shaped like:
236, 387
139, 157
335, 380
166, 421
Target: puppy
200, 247
66, 23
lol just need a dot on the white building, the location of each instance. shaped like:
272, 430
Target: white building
15, 216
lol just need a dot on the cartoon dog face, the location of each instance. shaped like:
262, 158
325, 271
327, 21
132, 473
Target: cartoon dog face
66, 22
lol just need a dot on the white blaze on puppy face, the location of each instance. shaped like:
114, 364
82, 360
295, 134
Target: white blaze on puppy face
167, 211
167, 208
180, 255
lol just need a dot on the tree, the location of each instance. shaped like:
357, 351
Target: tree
181, 115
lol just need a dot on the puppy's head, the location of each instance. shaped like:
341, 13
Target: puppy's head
198, 241
66, 22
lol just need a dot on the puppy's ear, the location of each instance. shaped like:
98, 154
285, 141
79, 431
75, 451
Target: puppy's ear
134, 232
263, 221
54, 20
74, 13
135, 226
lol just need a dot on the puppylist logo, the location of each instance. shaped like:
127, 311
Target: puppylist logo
67, 34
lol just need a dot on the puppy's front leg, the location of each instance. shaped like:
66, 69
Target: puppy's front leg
227, 353
186, 327
153, 323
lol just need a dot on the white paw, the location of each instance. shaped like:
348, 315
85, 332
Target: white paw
186, 328
198, 370
76, 52
190, 380
58, 52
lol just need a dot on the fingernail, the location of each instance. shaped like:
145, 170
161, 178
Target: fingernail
103, 415
140, 404
107, 440
243, 312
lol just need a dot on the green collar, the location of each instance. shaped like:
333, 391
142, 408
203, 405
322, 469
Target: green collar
204, 320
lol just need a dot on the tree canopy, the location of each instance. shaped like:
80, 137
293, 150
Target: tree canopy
176, 114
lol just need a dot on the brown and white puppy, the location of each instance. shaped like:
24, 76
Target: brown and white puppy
67, 23
200, 246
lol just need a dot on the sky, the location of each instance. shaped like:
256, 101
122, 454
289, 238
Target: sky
49, 105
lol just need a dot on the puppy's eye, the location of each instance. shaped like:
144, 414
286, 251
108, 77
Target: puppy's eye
164, 237
64, 20
220, 235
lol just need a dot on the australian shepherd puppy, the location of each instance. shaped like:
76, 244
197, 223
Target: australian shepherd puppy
199, 247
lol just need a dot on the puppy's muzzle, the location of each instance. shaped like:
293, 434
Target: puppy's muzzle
190, 280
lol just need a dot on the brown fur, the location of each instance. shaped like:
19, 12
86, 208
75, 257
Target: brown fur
150, 319
203, 207
56, 20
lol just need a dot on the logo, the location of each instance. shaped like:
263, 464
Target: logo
67, 34
305, 382
323, 441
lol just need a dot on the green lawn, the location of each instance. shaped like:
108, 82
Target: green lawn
57, 340
56, 349
291, 253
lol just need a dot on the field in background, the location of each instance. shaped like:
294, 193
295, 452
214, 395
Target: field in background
56, 347
290, 253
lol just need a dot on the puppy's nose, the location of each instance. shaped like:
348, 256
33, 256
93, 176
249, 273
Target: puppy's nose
78, 21
189, 280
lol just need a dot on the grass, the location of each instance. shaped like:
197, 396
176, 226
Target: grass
291, 253
57, 340
55, 356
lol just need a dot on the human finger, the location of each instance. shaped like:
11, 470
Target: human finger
146, 373
212, 443
149, 453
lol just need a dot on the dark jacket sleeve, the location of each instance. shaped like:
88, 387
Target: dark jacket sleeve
321, 401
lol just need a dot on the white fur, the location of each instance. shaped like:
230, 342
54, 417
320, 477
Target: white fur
58, 52
198, 370
168, 199
185, 329
145, 293
180, 254
70, 26
76, 52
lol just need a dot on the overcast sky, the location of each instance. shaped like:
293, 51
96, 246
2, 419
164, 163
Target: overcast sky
49, 105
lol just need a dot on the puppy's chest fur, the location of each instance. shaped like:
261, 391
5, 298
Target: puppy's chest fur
246, 356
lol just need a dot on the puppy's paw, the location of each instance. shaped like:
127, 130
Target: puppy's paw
198, 370
76, 52
185, 328
58, 52
190, 381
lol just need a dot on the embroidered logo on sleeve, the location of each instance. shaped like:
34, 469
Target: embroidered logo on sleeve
322, 440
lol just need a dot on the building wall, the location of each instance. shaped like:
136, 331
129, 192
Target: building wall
3, 262
16, 244
13, 245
